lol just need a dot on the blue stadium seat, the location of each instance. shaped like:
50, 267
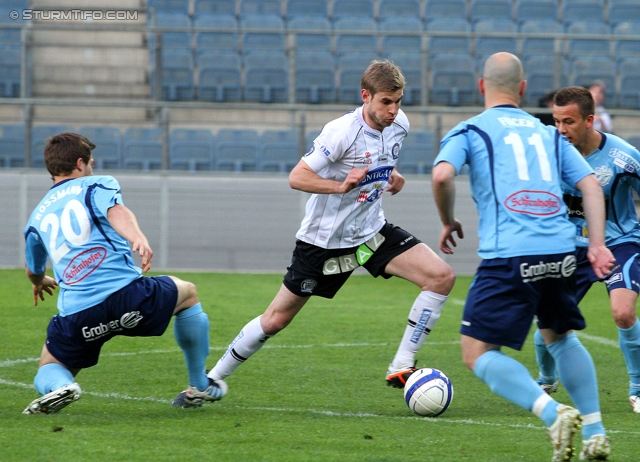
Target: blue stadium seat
262, 32
540, 71
222, 40
586, 69
315, 77
491, 9
142, 149
351, 8
15, 5
219, 76
237, 150
191, 149
411, 65
279, 151
630, 85
537, 10
297, 8
582, 10
397, 8
12, 145
453, 79
350, 68
177, 38
348, 42
39, 136
418, 152
392, 41
222, 7
311, 41
446, 9
577, 47
627, 48
446, 44
488, 45
169, 6
177, 74
10, 71
260, 7
266, 77
623, 11
11, 35
108, 140
542, 45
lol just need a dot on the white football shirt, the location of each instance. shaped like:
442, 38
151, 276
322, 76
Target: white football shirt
335, 221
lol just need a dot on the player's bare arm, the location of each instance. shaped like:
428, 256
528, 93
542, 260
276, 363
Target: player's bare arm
444, 192
303, 178
125, 223
396, 182
41, 283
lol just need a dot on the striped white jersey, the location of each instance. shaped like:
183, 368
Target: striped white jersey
335, 221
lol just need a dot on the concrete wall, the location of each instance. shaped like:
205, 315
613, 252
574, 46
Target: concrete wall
241, 223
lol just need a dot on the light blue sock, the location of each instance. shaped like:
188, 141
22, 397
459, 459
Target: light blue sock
508, 378
630, 345
191, 330
51, 377
578, 375
545, 361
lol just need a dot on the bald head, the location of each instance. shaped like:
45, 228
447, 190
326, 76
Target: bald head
503, 74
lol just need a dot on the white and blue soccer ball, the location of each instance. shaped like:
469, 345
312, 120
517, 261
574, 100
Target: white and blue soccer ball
428, 392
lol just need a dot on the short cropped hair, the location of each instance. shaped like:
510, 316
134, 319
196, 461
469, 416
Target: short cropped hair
382, 76
62, 151
579, 96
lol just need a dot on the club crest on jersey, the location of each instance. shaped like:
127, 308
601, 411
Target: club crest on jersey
603, 174
370, 196
83, 265
367, 158
395, 151
539, 203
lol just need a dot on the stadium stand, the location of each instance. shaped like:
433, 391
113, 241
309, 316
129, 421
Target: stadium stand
418, 152
392, 41
453, 79
216, 40
543, 77
177, 74
217, 7
399, 8
260, 7
350, 68
481, 10
39, 136
582, 10
621, 11
542, 45
169, 6
219, 76
237, 150
297, 8
12, 138
627, 48
537, 10
267, 77
176, 20
446, 9
347, 41
577, 47
449, 43
630, 83
487, 45
108, 140
191, 149
304, 39
279, 151
262, 33
589, 68
412, 68
10, 71
315, 77
351, 8
142, 149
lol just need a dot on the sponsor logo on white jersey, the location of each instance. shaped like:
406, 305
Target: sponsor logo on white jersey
543, 270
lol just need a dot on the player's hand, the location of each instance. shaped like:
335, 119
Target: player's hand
353, 179
601, 259
146, 254
47, 285
446, 237
396, 182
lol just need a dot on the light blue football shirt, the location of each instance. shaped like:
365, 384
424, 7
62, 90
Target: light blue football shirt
70, 227
516, 167
616, 164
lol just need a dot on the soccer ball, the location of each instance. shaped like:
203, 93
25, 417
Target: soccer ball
428, 392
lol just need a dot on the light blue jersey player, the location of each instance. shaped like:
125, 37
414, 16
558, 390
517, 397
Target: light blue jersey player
617, 165
528, 264
83, 227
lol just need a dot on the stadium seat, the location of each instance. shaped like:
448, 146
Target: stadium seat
297, 8
623, 11
578, 47
142, 149
10, 71
227, 40
169, 6
12, 145
350, 68
630, 84
311, 41
445, 9
352, 8
260, 7
177, 74
392, 41
346, 41
279, 151
174, 38
627, 48
542, 45
266, 77
543, 77
219, 76
191, 149
262, 33
315, 77
536, 10
411, 65
216, 7
399, 8
481, 10
449, 43
582, 10
589, 68
488, 45
108, 140
237, 150
39, 136
453, 79
418, 152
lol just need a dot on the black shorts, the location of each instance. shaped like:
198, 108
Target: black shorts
306, 274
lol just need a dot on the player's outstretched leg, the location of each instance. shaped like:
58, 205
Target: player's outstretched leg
54, 401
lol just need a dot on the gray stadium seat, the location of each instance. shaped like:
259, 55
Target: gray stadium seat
411, 65
174, 19
453, 79
10, 71
267, 77
315, 77
540, 72
460, 43
108, 140
398, 8
400, 42
260, 7
311, 41
39, 136
445, 9
191, 149
223, 7
350, 69
219, 76
582, 10
489, 45
536, 10
142, 149
418, 152
279, 151
237, 150
351, 8
627, 48
177, 74
169, 6
540, 45
630, 84
297, 8
262, 32
491, 9
12, 145
623, 11
227, 40
577, 47
589, 68
348, 42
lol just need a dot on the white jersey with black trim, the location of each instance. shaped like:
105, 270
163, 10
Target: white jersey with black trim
335, 221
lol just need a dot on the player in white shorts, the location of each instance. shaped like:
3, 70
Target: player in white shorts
347, 171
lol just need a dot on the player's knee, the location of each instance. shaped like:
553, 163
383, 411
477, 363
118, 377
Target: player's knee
441, 281
624, 317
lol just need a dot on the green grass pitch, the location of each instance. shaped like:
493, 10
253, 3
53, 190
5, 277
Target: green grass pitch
315, 392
